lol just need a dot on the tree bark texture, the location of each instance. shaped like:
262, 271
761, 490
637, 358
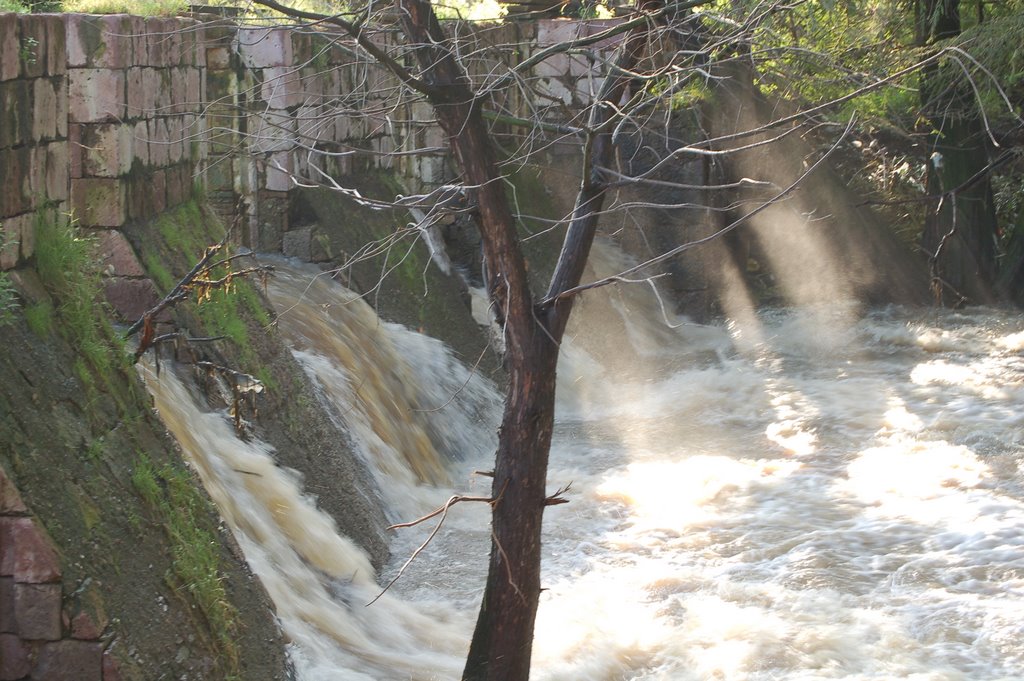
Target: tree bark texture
513, 583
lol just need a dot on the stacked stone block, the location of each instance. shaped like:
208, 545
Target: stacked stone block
314, 109
570, 77
33, 130
135, 95
114, 119
227, 177
44, 635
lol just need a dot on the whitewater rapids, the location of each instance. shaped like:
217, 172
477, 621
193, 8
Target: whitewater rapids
810, 496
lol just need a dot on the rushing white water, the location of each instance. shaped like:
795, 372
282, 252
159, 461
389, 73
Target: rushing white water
840, 498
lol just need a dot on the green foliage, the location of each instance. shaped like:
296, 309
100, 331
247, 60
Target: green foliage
27, 53
220, 316
174, 244
161, 8
996, 62
813, 53
470, 10
158, 272
145, 482
683, 95
187, 230
8, 299
66, 266
247, 295
12, 6
39, 317
84, 375
184, 513
95, 450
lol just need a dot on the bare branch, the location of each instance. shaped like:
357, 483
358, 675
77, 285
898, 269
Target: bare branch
180, 290
355, 31
443, 512
551, 300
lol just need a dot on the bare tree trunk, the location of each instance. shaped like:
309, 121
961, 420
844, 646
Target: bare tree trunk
504, 633
503, 638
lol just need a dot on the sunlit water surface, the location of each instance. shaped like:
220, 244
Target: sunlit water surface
839, 498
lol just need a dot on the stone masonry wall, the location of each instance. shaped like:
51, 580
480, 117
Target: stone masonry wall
33, 130
113, 119
44, 634
135, 92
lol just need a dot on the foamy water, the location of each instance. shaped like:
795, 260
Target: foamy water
841, 499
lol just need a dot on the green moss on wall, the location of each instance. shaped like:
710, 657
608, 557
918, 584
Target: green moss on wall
173, 498
39, 317
70, 274
170, 247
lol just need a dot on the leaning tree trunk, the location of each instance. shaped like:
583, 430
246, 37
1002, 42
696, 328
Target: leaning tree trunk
503, 638
504, 634
960, 229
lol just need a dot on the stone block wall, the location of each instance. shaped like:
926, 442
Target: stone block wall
135, 95
33, 130
302, 108
100, 121
44, 633
114, 119
570, 77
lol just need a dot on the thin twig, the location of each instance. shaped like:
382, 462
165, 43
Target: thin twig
443, 512
699, 242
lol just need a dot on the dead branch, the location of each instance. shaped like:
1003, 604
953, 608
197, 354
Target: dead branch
443, 512
197, 278
557, 498
226, 279
243, 386
443, 509
179, 292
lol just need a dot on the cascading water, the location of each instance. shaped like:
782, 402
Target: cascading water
840, 498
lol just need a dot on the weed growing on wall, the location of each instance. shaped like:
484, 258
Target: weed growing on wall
66, 266
183, 512
39, 317
71, 275
8, 296
174, 246
8, 299
146, 8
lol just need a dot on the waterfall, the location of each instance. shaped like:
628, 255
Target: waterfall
825, 497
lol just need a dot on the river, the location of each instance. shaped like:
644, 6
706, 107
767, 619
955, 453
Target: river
811, 494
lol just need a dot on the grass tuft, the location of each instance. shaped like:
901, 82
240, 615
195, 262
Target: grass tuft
66, 266
8, 299
39, 317
171, 492
148, 8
